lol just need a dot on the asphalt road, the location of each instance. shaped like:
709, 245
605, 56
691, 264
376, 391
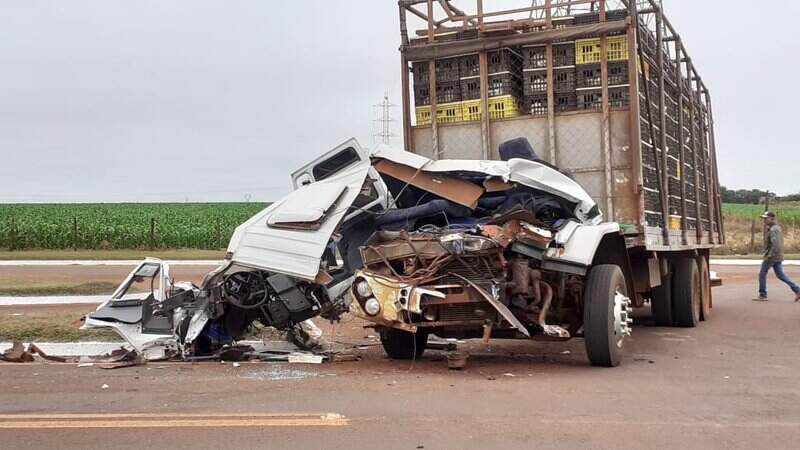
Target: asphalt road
731, 383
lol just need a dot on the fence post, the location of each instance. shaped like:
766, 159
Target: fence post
152, 232
752, 237
75, 233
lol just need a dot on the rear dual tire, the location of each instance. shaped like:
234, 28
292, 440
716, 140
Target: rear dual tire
705, 288
687, 293
684, 297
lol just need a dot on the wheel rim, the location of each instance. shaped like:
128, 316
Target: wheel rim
622, 319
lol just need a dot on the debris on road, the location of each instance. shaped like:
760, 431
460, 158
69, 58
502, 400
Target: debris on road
119, 358
17, 353
305, 358
457, 360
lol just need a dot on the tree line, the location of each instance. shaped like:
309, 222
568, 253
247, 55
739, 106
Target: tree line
753, 196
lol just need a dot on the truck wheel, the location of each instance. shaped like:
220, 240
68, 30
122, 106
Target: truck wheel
686, 293
706, 302
605, 315
402, 345
661, 302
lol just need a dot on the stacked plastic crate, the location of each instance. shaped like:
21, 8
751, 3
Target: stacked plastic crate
448, 91
504, 84
588, 54
536, 82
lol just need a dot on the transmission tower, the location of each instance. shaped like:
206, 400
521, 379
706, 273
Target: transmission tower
385, 120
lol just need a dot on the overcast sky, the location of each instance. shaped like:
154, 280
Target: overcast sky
106, 100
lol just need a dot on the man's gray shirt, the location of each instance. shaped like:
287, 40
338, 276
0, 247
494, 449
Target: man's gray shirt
773, 248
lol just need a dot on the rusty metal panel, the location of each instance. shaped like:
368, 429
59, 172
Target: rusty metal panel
621, 148
626, 202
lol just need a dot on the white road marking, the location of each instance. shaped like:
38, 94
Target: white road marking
747, 262
54, 300
72, 348
123, 263
215, 420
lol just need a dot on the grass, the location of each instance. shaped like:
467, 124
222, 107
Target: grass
98, 255
48, 327
744, 239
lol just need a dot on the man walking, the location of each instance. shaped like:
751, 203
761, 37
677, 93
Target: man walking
773, 258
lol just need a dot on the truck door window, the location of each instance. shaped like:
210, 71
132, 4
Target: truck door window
141, 285
335, 163
367, 195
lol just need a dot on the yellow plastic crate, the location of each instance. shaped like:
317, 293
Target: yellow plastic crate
504, 107
587, 51
445, 113
675, 222
472, 110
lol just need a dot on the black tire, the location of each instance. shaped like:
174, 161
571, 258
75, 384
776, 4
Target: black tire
706, 299
661, 302
603, 347
402, 345
686, 293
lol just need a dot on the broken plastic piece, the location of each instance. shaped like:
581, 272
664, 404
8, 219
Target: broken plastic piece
305, 358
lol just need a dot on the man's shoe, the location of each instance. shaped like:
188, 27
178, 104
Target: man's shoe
761, 298
797, 297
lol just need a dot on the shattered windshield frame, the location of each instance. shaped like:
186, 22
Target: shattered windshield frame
147, 271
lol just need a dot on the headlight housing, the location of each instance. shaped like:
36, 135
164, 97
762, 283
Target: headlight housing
372, 306
362, 289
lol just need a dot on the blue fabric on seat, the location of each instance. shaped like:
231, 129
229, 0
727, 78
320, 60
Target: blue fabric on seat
407, 218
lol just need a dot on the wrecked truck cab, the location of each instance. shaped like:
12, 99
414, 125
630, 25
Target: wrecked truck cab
289, 263
491, 249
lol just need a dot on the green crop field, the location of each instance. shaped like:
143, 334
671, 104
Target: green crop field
121, 226
209, 226
787, 212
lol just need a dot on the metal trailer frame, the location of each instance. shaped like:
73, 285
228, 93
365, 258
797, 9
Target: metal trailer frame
669, 205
